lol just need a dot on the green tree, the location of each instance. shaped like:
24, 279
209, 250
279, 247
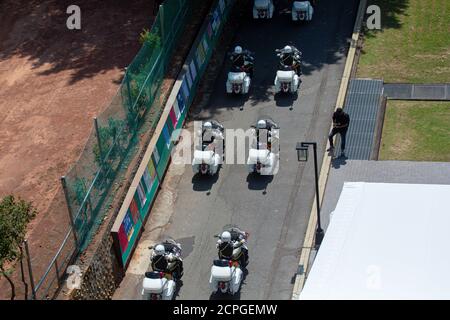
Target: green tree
14, 218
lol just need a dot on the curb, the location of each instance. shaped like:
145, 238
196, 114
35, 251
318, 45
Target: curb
326, 162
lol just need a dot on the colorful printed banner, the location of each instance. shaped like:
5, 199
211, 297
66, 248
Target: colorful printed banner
128, 226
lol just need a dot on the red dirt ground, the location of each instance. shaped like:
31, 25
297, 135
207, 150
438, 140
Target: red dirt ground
53, 81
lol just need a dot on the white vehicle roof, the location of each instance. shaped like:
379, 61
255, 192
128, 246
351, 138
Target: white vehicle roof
385, 241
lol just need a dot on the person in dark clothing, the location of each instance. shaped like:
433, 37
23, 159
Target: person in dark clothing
166, 262
341, 121
232, 247
242, 58
290, 57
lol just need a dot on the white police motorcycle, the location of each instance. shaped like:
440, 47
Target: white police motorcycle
287, 79
239, 79
263, 9
207, 159
261, 159
161, 284
226, 274
302, 11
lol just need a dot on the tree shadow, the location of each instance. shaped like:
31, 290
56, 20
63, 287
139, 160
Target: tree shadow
323, 41
390, 16
108, 38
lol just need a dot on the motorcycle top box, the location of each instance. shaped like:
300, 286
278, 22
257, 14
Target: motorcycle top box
284, 75
256, 155
153, 282
221, 270
206, 157
262, 4
236, 77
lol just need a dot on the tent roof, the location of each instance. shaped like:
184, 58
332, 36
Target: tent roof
385, 241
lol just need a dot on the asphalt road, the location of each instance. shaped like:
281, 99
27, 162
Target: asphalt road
273, 210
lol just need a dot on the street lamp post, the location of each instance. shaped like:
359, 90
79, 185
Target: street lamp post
302, 155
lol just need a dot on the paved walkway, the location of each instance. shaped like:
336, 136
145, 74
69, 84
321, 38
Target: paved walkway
408, 91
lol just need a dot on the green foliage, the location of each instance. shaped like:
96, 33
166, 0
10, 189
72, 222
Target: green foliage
412, 45
107, 135
152, 38
14, 218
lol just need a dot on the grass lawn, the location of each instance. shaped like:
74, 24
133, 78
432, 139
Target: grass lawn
416, 130
413, 45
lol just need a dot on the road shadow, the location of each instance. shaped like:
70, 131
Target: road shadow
322, 41
179, 285
339, 161
108, 38
259, 182
204, 182
390, 15
285, 100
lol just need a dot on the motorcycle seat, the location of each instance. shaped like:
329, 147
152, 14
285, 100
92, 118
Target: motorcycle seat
153, 274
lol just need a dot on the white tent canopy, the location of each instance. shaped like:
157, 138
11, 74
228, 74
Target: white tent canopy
385, 241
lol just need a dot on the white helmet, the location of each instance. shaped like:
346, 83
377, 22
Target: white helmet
225, 236
159, 249
287, 49
207, 125
238, 50
261, 124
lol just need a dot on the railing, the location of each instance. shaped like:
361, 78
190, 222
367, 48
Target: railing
112, 144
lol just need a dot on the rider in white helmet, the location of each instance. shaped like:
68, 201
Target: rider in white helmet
165, 261
230, 249
266, 124
291, 57
288, 49
212, 130
242, 58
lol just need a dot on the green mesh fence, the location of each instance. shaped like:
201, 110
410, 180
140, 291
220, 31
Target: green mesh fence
113, 140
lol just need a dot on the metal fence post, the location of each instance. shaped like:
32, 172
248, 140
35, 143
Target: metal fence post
30, 271
99, 140
130, 99
161, 21
69, 209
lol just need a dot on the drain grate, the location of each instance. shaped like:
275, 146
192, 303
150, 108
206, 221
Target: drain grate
406, 91
362, 103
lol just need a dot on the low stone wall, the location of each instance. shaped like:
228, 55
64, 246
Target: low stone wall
102, 277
